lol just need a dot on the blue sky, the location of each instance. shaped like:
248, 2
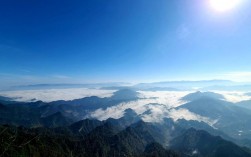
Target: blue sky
62, 41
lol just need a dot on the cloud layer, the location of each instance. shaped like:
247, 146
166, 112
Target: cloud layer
153, 107
234, 96
48, 95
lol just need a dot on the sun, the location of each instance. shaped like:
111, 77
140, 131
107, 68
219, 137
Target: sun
224, 5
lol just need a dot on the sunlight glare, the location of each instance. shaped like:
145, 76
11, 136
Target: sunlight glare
224, 5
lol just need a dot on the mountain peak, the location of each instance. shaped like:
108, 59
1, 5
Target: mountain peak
125, 94
198, 95
130, 112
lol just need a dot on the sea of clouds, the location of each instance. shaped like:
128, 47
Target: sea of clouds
48, 95
151, 107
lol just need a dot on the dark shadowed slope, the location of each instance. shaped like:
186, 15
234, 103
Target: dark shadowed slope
200, 143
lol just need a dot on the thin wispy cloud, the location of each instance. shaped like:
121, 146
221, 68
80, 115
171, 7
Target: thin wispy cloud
239, 76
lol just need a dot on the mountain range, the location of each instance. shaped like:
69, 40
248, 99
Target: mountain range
64, 128
203, 85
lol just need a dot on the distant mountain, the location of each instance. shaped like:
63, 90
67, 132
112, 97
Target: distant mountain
3, 98
203, 85
129, 117
7, 100
96, 102
199, 95
125, 94
79, 108
117, 87
67, 85
142, 88
88, 102
199, 143
160, 89
233, 120
241, 87
184, 85
60, 113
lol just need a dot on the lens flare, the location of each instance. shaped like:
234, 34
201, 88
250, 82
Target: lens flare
224, 5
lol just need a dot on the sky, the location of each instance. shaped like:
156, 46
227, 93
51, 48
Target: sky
62, 41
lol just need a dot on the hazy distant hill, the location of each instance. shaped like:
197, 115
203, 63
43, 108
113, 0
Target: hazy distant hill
34, 114
65, 85
229, 118
184, 85
200, 95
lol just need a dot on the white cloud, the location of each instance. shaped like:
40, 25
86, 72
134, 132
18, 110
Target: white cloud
177, 114
48, 95
234, 96
139, 106
152, 109
169, 98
